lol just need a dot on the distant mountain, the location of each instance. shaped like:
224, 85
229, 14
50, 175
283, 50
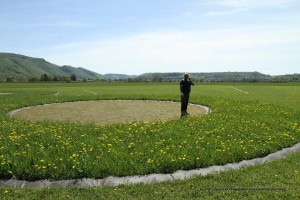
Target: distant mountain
285, 78
206, 77
81, 73
22, 68
119, 76
15, 67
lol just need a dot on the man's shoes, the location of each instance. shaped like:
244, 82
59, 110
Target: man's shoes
184, 114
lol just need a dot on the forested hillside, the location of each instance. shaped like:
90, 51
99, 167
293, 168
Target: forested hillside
20, 68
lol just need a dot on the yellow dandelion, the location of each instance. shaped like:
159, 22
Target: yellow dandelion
149, 161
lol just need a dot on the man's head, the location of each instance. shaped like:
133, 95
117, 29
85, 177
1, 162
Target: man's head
186, 76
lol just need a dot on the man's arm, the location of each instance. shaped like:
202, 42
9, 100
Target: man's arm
192, 82
181, 86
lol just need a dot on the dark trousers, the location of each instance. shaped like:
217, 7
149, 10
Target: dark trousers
184, 101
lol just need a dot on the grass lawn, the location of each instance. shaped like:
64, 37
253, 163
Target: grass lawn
248, 120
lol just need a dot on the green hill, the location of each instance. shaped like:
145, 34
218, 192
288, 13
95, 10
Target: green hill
21, 68
81, 73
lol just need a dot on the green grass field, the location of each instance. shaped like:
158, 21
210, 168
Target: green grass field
248, 120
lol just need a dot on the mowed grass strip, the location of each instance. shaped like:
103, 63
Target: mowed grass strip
2, 94
107, 112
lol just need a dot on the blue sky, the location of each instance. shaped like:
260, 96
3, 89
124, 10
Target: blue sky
135, 36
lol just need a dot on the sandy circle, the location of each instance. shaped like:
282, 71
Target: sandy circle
107, 111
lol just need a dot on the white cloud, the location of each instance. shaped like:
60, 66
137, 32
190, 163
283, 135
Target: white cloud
252, 3
69, 24
229, 12
221, 50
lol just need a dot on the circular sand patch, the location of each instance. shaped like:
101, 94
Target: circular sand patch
107, 111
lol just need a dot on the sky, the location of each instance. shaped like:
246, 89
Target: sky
140, 36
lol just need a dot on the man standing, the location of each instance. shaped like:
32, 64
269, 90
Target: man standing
185, 89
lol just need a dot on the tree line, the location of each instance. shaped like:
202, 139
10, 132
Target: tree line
159, 77
46, 77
